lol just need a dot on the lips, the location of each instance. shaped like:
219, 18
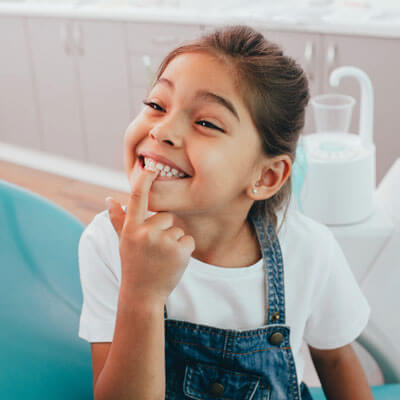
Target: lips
162, 160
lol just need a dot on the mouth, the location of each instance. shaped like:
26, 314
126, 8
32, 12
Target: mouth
171, 174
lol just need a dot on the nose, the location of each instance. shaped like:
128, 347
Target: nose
169, 130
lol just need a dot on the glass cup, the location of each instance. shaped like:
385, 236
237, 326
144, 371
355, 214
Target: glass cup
332, 112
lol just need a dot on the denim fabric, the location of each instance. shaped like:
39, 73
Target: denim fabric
207, 363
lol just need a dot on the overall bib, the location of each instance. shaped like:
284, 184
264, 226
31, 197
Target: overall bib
207, 363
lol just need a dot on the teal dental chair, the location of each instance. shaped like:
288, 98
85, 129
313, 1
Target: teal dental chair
42, 356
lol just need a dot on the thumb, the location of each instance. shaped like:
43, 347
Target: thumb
116, 213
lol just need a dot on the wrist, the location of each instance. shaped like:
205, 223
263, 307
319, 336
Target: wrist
131, 298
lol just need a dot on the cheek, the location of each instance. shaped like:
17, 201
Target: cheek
213, 171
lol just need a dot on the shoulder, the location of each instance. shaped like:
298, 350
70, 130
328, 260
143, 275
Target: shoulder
307, 247
306, 231
101, 233
100, 227
99, 246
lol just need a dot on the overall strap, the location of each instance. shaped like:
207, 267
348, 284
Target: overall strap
273, 269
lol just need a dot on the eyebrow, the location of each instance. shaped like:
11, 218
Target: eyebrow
206, 95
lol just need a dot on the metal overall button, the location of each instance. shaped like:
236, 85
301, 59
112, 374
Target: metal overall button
216, 389
276, 338
275, 316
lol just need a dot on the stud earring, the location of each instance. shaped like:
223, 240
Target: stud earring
254, 189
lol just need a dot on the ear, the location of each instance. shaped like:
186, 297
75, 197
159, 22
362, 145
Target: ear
274, 173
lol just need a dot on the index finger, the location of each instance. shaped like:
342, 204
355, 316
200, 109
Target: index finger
141, 181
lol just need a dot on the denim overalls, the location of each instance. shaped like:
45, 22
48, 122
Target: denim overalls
206, 363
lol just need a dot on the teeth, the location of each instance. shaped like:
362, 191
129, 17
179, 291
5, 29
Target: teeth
165, 169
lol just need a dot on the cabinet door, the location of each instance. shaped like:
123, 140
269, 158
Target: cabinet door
56, 86
103, 77
18, 116
380, 59
148, 44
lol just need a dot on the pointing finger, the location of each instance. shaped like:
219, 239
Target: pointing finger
141, 182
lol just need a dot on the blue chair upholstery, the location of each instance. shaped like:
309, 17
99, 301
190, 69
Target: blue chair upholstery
42, 356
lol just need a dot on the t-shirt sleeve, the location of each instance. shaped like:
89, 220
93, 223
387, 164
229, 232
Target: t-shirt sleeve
99, 284
340, 311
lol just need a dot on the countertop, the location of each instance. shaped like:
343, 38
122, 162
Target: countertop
363, 22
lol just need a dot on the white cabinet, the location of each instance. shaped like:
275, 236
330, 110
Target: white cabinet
148, 44
57, 89
103, 77
18, 116
82, 86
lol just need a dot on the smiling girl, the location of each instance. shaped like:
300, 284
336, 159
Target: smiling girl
192, 291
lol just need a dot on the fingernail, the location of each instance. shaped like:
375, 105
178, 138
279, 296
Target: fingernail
108, 201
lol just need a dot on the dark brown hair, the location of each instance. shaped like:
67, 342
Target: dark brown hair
274, 89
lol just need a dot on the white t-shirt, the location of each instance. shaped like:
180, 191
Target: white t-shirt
324, 303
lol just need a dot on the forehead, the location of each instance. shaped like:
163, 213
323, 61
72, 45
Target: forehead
193, 71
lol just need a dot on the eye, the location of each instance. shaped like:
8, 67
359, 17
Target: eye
209, 125
153, 105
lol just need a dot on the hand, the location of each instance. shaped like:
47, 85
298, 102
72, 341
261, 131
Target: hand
154, 253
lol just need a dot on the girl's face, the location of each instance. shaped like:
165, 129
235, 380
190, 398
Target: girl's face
195, 118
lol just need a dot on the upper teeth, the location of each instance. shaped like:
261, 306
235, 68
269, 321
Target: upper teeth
166, 170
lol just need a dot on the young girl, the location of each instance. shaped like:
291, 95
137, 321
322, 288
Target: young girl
191, 291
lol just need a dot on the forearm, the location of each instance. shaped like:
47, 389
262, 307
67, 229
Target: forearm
344, 379
134, 368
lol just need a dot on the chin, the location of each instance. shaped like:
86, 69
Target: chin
154, 207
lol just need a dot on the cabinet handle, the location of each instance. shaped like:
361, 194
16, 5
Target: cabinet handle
147, 65
77, 35
331, 57
164, 39
309, 55
64, 37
